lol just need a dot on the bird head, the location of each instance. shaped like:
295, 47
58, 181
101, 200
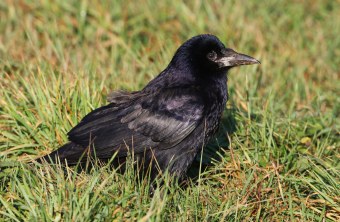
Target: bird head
207, 54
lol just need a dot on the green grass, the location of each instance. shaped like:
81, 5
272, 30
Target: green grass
276, 157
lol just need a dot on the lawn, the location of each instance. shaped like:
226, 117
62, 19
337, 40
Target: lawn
275, 158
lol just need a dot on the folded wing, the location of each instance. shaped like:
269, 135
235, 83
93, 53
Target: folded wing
141, 121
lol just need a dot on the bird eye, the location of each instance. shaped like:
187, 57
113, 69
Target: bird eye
212, 55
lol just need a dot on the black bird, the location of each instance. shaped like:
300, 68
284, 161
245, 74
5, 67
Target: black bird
165, 124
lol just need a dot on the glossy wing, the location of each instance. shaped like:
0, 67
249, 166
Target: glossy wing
160, 121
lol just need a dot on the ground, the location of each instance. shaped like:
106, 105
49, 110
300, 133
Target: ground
275, 158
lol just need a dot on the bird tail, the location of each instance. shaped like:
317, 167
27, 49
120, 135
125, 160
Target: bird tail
71, 153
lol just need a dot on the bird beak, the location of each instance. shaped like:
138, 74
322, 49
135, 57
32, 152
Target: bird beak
232, 59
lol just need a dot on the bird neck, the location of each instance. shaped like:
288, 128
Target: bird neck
184, 76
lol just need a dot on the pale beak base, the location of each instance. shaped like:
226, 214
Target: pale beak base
236, 59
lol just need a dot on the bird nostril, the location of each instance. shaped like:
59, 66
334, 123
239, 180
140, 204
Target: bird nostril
227, 52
